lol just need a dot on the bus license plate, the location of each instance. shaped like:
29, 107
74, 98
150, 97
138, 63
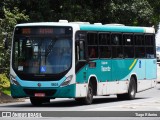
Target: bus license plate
39, 94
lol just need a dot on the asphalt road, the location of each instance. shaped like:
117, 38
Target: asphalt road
148, 100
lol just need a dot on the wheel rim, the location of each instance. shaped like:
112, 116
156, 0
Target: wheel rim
132, 93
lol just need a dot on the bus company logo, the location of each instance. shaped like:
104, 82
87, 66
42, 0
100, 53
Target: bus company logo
6, 114
39, 85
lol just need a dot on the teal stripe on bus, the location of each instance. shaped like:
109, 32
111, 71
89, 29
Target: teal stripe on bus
112, 28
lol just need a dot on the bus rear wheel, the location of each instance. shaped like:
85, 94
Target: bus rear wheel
131, 91
39, 101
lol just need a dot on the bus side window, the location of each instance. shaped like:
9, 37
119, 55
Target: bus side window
128, 45
149, 43
92, 52
140, 52
104, 45
92, 44
117, 48
139, 46
116, 39
105, 52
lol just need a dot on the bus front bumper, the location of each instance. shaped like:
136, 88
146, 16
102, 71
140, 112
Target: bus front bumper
50, 92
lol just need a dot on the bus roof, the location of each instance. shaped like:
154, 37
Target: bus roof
96, 27
115, 28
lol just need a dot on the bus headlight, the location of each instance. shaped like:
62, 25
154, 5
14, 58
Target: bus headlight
67, 81
13, 80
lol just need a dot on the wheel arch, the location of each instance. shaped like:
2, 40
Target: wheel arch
94, 81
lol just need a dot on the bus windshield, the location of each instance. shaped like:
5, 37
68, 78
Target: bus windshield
42, 54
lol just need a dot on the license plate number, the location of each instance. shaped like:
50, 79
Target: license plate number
39, 94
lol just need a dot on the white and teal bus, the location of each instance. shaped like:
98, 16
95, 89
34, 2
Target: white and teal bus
81, 60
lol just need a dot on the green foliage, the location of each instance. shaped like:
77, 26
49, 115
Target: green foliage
4, 84
7, 23
4, 81
6, 91
11, 18
132, 12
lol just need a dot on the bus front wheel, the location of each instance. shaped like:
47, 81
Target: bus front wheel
89, 98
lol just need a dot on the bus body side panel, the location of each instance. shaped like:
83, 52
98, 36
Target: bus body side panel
151, 69
121, 69
113, 76
145, 70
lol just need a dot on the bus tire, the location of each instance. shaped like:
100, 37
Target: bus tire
131, 91
39, 101
89, 98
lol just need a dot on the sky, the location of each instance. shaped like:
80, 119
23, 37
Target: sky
158, 37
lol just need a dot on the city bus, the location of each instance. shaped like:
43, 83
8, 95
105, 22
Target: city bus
81, 60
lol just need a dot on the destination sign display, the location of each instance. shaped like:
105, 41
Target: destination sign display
43, 30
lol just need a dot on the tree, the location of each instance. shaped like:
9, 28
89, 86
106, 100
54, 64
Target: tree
156, 16
11, 18
128, 12
6, 26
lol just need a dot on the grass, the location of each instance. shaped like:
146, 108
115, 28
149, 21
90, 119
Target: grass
4, 84
6, 91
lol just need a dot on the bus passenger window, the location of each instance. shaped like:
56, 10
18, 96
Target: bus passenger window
150, 52
139, 39
92, 39
129, 52
117, 52
92, 52
149, 43
105, 52
116, 39
149, 40
140, 52
128, 45
104, 39
92, 43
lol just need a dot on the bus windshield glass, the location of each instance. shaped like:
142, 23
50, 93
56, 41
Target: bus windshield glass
42, 50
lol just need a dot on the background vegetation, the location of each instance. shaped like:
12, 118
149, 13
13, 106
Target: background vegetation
128, 12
